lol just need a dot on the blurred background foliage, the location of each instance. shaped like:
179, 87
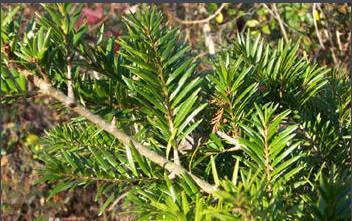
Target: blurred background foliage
323, 32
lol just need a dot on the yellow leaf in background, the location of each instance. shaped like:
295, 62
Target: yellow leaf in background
38, 147
317, 15
252, 23
31, 139
219, 18
266, 29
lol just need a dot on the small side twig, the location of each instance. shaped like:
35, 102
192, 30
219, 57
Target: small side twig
118, 199
278, 18
332, 46
275, 13
231, 140
205, 20
316, 26
338, 34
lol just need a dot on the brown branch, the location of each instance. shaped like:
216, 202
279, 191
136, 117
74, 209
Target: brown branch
46, 88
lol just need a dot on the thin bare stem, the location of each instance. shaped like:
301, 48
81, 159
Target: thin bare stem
205, 20
275, 13
118, 199
70, 93
316, 26
279, 20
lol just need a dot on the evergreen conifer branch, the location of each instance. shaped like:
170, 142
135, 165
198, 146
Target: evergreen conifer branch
280, 123
47, 89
